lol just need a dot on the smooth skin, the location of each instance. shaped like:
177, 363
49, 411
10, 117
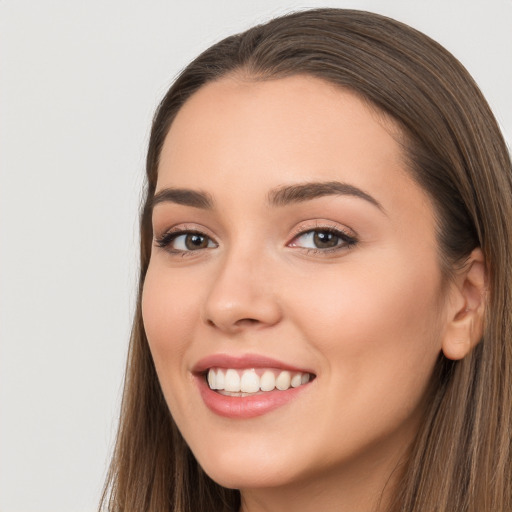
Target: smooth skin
369, 315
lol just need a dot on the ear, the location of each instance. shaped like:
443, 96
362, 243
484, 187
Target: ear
466, 308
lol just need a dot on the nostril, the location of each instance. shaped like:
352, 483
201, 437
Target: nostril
243, 322
246, 322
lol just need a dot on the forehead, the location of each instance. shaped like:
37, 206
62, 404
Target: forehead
236, 133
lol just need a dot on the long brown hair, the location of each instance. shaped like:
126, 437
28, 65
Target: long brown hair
461, 459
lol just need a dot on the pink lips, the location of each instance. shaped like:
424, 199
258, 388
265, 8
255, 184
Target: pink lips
244, 407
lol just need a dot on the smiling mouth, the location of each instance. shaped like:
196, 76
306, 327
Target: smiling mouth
254, 381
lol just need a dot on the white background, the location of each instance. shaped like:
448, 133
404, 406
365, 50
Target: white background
79, 81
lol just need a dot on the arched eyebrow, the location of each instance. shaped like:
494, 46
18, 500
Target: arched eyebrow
301, 192
183, 196
280, 196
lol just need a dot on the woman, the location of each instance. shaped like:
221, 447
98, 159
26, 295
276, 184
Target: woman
324, 306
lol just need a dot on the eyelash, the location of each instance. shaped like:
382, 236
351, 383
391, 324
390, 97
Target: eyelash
346, 241
165, 240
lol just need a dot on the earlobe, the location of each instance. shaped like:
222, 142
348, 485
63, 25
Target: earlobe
467, 305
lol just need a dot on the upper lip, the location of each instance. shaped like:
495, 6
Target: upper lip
242, 362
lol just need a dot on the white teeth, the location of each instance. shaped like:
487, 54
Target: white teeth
267, 381
250, 381
220, 381
283, 381
232, 381
212, 380
296, 380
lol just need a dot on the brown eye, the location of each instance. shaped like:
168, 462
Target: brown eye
195, 241
325, 239
185, 241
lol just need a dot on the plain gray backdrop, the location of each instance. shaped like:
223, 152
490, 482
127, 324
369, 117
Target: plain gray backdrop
79, 81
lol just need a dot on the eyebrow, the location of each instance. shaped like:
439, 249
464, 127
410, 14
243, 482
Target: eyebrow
183, 196
281, 196
307, 191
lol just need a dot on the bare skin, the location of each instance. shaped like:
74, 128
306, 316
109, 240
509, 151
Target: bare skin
344, 285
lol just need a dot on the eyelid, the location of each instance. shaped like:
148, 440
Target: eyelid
318, 225
183, 227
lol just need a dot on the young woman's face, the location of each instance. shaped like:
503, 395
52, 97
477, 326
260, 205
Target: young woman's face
292, 249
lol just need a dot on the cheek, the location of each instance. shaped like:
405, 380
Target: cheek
381, 323
169, 312
378, 333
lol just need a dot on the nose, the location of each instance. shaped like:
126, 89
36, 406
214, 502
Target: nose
242, 295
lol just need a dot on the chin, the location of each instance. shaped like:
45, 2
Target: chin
235, 469
248, 477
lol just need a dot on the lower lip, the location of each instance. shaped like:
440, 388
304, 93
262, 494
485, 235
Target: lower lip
243, 407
